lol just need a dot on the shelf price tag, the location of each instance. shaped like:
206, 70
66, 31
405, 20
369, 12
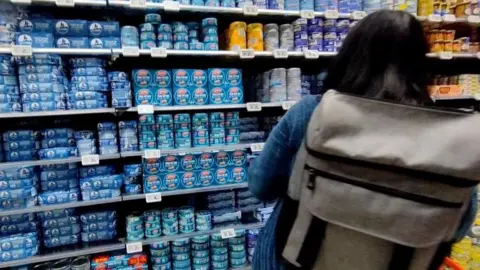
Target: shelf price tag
250, 10
228, 233
152, 153
254, 106
434, 18
134, 247
358, 15
257, 147
473, 19
286, 105
280, 54
138, 4
130, 51
309, 54
445, 55
89, 160
449, 18
25, 2
145, 109
331, 14
246, 54
21, 50
65, 3
171, 6
153, 197
307, 14
158, 52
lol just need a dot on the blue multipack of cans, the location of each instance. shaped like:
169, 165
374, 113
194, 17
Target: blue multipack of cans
182, 130
101, 187
132, 178
225, 86
9, 90
165, 137
98, 226
107, 138
135, 227
60, 227
128, 136
121, 89
21, 145
18, 246
152, 87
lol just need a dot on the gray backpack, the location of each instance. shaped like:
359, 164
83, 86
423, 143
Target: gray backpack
380, 185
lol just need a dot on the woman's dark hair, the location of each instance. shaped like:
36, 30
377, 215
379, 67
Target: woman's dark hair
382, 57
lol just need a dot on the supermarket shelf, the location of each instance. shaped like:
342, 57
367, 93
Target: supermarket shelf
90, 3
454, 55
463, 97
194, 108
73, 51
52, 161
55, 113
191, 149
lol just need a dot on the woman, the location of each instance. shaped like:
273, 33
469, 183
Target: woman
383, 57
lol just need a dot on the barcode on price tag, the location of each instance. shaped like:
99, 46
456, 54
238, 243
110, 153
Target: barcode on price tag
280, 54
309, 54
434, 18
473, 19
130, 51
65, 3
449, 18
138, 3
153, 197
228, 233
257, 147
152, 153
307, 14
445, 55
89, 160
21, 50
27, 2
358, 15
171, 6
247, 54
331, 14
158, 52
134, 247
254, 106
145, 109
250, 10
286, 105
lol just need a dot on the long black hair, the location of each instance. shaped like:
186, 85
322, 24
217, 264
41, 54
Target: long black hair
382, 57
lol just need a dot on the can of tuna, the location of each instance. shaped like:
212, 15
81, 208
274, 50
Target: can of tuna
193, 33
255, 36
236, 247
165, 44
330, 25
170, 214
164, 28
237, 36
179, 27
212, 3
220, 258
181, 249
198, 3
170, 229
209, 22
271, 37
203, 246
160, 252
147, 27
238, 262
153, 18
180, 37
228, 3
148, 36
181, 242
160, 245
180, 45
219, 250
164, 36
154, 232
218, 243
306, 5
200, 253
187, 228
181, 261
195, 46
343, 24
159, 260
219, 264
286, 37
148, 44
200, 266
210, 46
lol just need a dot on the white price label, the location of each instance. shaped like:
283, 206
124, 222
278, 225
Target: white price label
358, 15
331, 14
145, 109
152, 153
309, 54
449, 18
434, 18
250, 10
158, 52
130, 51
286, 105
254, 106
473, 19
27, 2
134, 247
247, 54
280, 54
21, 50
65, 3
257, 147
307, 14
228, 233
138, 3
171, 6
89, 160
445, 55
153, 197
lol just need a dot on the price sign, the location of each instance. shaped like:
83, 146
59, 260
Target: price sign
449, 18
309, 54
331, 14
250, 10
254, 106
473, 19
145, 109
286, 105
246, 54
257, 147
25, 2
280, 54
152, 153
130, 51
153, 197
171, 6
158, 52
89, 160
307, 14
358, 15
21, 50
65, 3
228, 233
445, 55
134, 247
434, 18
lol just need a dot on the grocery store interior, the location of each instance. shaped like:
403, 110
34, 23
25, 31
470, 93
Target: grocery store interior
128, 125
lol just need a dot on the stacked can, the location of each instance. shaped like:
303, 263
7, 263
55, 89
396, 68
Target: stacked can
180, 36
200, 129
85, 140
186, 218
58, 184
217, 128
232, 127
60, 227
251, 243
164, 36
329, 35
21, 145
323, 5
181, 253
276, 4
101, 183
219, 252
315, 34
148, 35
198, 2
18, 224
263, 92
182, 127
255, 36
203, 220
212, 3
57, 143
278, 85
132, 178
200, 252
294, 84
153, 224
286, 37
227, 3
306, 5
89, 84
128, 136
169, 221
107, 138
9, 91
294, 4
261, 4
237, 36
236, 249
300, 34
343, 26
160, 255
242, 3
193, 36
121, 89
210, 34
9, 178
42, 83
98, 226
271, 37
165, 138
135, 228
8, 24
153, 18
129, 36
147, 132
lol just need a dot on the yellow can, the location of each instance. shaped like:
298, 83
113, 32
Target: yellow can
237, 36
255, 36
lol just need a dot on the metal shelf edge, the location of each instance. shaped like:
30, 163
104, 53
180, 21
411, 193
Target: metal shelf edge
56, 113
52, 161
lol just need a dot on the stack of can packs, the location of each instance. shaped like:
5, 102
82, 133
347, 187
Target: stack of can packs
9, 92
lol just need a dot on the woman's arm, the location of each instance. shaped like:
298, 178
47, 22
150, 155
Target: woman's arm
469, 217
